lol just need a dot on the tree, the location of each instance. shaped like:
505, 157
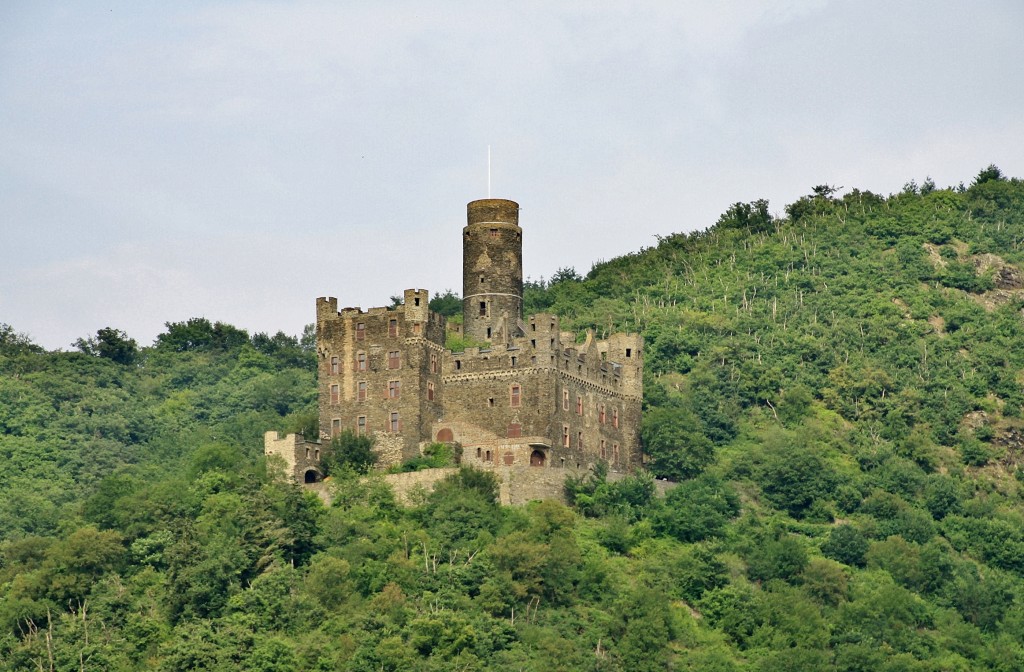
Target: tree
112, 344
671, 436
348, 450
446, 303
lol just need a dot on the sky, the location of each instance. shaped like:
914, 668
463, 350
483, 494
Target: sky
235, 160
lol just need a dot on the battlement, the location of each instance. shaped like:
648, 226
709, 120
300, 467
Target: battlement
492, 211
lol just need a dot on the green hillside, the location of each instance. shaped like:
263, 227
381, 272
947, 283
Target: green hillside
838, 391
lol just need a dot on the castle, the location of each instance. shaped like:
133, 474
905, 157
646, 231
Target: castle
528, 397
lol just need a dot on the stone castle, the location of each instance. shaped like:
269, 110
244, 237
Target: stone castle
528, 398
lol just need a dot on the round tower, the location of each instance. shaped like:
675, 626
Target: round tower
492, 270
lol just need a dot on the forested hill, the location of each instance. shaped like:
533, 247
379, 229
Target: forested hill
838, 390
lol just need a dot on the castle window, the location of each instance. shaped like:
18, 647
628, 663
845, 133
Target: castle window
416, 326
481, 279
533, 342
490, 402
629, 352
515, 393
360, 331
430, 391
334, 365
395, 424
433, 362
615, 418
392, 327
416, 301
360, 361
533, 326
579, 440
615, 452
334, 394
335, 426
316, 454
515, 430
533, 359
394, 389
579, 405
478, 451
307, 452
600, 414
488, 456
494, 233
565, 436
361, 425
604, 450
361, 391
483, 309
488, 332
458, 364
565, 400
394, 359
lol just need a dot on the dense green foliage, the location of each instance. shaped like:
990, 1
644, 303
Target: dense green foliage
839, 393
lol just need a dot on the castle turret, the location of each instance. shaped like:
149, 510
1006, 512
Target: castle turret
492, 270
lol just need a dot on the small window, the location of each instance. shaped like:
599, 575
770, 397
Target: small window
316, 454
307, 452
361, 391
488, 332
458, 364
479, 451
579, 405
533, 327
490, 402
629, 352
361, 425
395, 424
360, 331
394, 359
515, 393
483, 309
430, 391
533, 342
334, 394
615, 418
565, 436
615, 452
392, 327
494, 233
513, 360
334, 365
394, 389
360, 361
600, 414
416, 301
481, 279
488, 456
579, 440
416, 328
565, 400
433, 362
604, 450
335, 426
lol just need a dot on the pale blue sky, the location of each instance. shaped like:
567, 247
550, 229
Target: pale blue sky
235, 160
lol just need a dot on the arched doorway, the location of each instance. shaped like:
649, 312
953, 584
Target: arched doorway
311, 476
537, 458
445, 435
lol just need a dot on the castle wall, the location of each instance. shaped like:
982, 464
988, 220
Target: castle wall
301, 458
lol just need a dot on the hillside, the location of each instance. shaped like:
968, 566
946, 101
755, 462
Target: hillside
839, 392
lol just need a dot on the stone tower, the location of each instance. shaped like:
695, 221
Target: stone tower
492, 271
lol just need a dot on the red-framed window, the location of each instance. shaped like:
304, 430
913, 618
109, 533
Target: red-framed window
360, 331
392, 327
361, 390
396, 424
335, 396
394, 359
394, 389
515, 394
430, 391
615, 418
